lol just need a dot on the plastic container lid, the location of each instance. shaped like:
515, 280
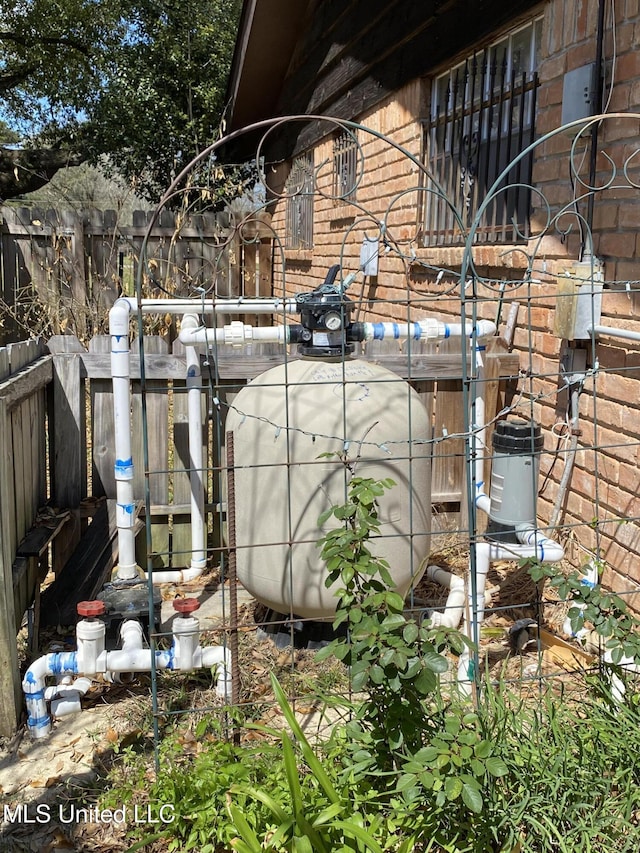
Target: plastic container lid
517, 436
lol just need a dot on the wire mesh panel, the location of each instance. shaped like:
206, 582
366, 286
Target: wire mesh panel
428, 461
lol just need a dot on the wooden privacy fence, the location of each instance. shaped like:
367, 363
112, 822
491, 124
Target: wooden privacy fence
70, 389
73, 264
25, 375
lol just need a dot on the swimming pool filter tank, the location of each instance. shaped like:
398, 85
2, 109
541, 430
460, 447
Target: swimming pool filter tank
284, 422
515, 464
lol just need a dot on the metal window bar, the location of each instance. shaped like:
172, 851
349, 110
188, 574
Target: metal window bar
300, 188
473, 134
345, 152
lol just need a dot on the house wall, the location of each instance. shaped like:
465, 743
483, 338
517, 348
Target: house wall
601, 505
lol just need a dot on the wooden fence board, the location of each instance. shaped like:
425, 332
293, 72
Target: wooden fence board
181, 528
103, 454
68, 455
157, 410
10, 696
5, 365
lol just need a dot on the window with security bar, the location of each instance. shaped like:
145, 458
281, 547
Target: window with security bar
300, 189
345, 166
483, 116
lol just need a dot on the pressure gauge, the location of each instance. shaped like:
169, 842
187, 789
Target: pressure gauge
333, 321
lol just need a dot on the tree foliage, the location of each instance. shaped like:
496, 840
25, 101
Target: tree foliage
138, 85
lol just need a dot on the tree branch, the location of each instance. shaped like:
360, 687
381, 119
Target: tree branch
51, 41
22, 171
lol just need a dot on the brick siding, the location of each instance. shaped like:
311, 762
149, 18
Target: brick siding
602, 504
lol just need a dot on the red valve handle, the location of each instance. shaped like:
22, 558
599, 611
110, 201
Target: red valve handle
186, 605
90, 609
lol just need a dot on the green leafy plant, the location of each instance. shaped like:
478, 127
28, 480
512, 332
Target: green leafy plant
393, 658
313, 814
406, 741
605, 613
414, 769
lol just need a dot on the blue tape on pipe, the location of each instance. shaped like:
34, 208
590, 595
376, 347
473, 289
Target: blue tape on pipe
39, 694
123, 469
447, 331
378, 331
63, 662
171, 656
38, 722
396, 331
417, 331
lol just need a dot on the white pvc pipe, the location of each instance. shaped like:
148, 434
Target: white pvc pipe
234, 334
427, 329
65, 698
232, 305
123, 469
173, 575
532, 544
127, 568
618, 687
535, 544
626, 334
479, 446
220, 657
454, 607
33, 687
132, 657
194, 408
589, 579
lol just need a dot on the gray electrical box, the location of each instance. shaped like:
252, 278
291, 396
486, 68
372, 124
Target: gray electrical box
579, 93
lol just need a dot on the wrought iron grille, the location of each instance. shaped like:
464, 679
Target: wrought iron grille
483, 116
300, 189
345, 159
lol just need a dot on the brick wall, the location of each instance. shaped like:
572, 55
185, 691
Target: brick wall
601, 505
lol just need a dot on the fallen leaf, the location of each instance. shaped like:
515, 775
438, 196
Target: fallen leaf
38, 783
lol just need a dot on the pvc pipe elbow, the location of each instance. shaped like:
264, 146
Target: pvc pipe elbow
194, 571
131, 634
444, 578
454, 607
545, 549
483, 502
119, 318
66, 705
220, 657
